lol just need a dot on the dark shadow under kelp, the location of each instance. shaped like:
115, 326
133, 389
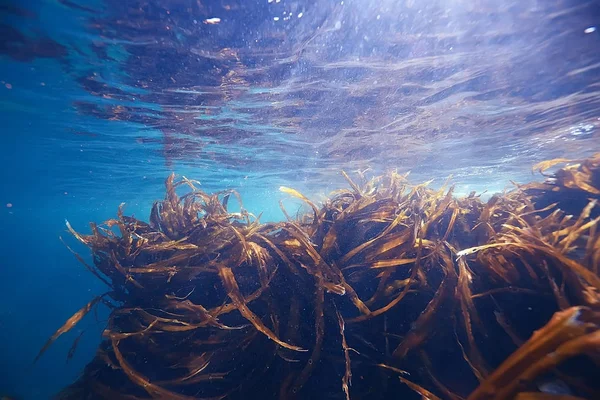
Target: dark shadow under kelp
387, 290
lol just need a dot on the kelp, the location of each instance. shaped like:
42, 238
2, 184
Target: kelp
390, 288
569, 333
68, 325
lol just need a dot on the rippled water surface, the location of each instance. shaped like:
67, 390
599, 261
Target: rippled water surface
102, 99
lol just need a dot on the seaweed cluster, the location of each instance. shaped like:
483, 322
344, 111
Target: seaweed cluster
387, 289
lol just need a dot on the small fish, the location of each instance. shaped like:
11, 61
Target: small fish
554, 386
472, 250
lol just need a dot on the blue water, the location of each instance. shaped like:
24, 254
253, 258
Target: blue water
97, 108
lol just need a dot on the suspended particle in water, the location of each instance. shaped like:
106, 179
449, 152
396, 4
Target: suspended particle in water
591, 29
8, 86
9, 205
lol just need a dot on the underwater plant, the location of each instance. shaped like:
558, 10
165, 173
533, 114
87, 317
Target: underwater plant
387, 289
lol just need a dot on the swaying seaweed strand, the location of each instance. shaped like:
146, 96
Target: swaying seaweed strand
387, 290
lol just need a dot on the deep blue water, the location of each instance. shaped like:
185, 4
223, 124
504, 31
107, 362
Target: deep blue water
101, 100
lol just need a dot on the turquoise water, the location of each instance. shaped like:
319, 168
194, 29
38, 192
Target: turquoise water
101, 100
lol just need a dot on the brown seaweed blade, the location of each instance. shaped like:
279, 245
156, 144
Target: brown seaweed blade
233, 291
196, 366
74, 346
563, 327
422, 326
440, 386
395, 301
118, 335
354, 186
416, 388
469, 314
298, 195
390, 263
281, 255
544, 165
585, 344
121, 270
177, 325
70, 324
347, 379
585, 273
419, 389
226, 308
140, 380
304, 375
320, 269
363, 246
85, 240
86, 265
